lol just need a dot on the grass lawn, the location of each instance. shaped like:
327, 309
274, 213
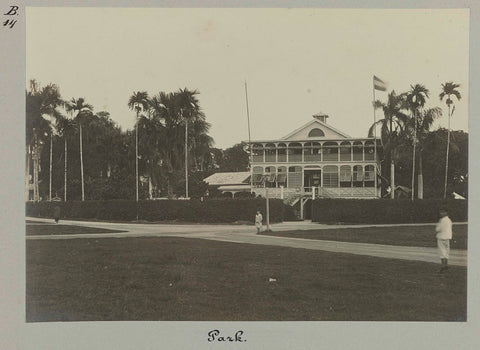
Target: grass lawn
416, 236
37, 229
193, 279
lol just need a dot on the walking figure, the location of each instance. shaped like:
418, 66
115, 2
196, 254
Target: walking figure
444, 235
258, 221
56, 214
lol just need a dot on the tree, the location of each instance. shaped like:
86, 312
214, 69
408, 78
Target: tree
175, 139
83, 109
40, 103
415, 100
65, 127
392, 130
235, 159
449, 89
151, 127
165, 121
138, 102
424, 122
201, 144
435, 142
189, 112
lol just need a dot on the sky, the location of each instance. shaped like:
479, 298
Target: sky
296, 62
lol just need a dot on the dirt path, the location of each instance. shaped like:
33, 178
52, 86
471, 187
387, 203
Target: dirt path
245, 234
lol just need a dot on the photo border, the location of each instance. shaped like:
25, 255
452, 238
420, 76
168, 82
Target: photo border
16, 333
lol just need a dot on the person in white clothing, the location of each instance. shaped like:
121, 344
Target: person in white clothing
444, 235
258, 221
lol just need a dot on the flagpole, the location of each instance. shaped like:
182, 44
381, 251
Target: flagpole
249, 140
378, 84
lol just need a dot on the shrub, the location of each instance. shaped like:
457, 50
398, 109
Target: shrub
386, 211
214, 210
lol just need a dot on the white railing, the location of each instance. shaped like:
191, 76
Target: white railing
320, 192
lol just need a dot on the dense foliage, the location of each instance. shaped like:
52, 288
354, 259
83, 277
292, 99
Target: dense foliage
207, 211
92, 158
417, 154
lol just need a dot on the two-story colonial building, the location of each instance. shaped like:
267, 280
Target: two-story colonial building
315, 160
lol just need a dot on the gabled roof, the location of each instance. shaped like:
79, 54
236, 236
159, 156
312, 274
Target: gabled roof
329, 131
233, 178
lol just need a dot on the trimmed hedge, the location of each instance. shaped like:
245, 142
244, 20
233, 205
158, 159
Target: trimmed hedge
386, 211
210, 211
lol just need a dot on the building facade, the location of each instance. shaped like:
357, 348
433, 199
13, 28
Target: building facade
316, 160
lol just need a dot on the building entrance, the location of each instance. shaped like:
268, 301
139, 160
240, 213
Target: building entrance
312, 178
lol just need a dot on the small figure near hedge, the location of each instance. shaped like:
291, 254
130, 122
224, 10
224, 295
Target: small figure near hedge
444, 235
56, 213
258, 221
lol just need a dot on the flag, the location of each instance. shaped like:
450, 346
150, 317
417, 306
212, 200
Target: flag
379, 84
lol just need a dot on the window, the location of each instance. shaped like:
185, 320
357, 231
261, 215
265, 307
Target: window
270, 180
357, 150
330, 176
258, 170
295, 152
369, 176
345, 176
282, 176
357, 176
294, 177
270, 169
270, 153
330, 151
345, 151
282, 152
312, 152
316, 133
369, 150
270, 176
257, 152
257, 176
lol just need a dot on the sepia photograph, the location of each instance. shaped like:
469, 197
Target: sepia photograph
245, 164
246, 171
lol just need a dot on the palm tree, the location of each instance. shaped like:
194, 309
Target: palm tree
36, 130
415, 100
138, 102
449, 89
156, 139
52, 100
165, 111
201, 142
82, 109
39, 103
171, 121
392, 128
65, 126
189, 111
425, 119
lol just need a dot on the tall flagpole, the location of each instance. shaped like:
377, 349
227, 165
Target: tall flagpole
378, 84
249, 140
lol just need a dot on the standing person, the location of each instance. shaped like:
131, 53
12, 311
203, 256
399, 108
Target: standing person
258, 221
56, 213
444, 235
